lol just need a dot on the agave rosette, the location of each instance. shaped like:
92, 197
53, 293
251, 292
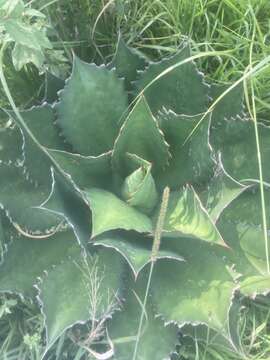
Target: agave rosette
81, 186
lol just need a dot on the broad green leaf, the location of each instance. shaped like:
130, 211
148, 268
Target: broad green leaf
11, 144
85, 171
91, 108
198, 290
12, 8
135, 248
157, 340
241, 225
111, 213
58, 65
78, 290
127, 62
140, 135
220, 192
255, 285
23, 55
192, 157
139, 190
67, 201
19, 197
186, 216
176, 87
26, 259
27, 35
33, 13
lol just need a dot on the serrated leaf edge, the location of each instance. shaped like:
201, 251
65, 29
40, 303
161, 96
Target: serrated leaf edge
136, 273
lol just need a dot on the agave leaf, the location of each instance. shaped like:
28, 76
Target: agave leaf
85, 171
140, 135
186, 216
111, 213
135, 248
78, 290
40, 122
139, 190
192, 157
240, 224
3, 240
20, 208
254, 285
26, 259
173, 86
230, 341
239, 151
229, 107
123, 330
91, 108
202, 334
193, 291
68, 202
220, 192
234, 136
11, 143
6, 232
127, 62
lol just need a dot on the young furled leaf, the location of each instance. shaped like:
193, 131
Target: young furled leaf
139, 127
139, 189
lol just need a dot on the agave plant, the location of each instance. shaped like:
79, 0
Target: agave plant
81, 190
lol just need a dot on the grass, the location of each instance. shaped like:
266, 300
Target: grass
89, 28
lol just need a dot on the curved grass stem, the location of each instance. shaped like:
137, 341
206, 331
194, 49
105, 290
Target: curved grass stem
253, 114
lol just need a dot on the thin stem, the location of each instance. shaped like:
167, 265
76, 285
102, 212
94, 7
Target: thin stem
142, 314
155, 249
258, 147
